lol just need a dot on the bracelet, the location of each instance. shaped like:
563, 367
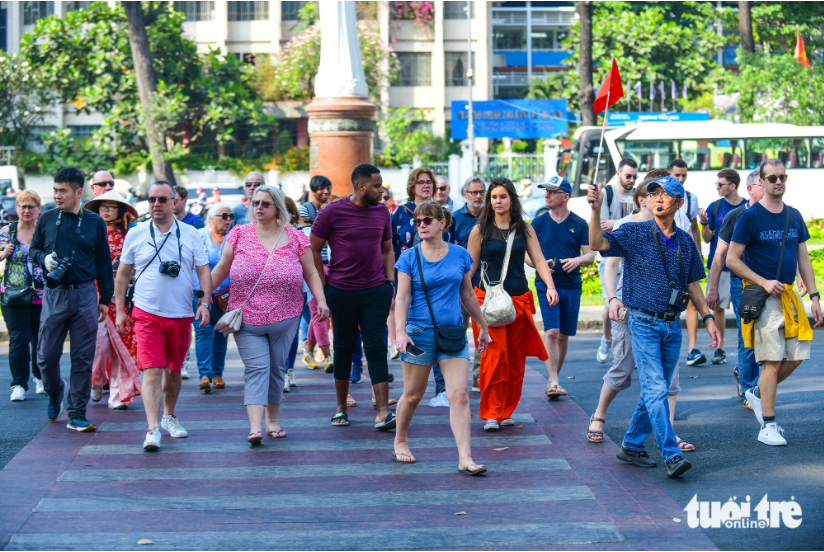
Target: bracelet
815, 295
610, 299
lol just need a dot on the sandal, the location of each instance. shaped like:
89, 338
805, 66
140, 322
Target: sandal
591, 433
390, 402
388, 423
255, 437
555, 391
396, 455
340, 416
279, 434
684, 446
466, 471
350, 401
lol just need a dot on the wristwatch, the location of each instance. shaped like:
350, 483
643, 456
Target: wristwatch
199, 293
707, 317
814, 295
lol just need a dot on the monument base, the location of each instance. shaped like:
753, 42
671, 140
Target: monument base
341, 131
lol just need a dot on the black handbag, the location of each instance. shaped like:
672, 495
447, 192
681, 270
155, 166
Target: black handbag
754, 297
16, 296
449, 340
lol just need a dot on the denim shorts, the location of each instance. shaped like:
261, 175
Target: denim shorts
424, 338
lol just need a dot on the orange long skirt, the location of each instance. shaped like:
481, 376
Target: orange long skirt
503, 363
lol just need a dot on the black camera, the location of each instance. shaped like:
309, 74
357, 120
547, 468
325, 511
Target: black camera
60, 270
170, 268
679, 299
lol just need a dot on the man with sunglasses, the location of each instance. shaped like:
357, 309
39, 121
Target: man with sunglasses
251, 183
780, 337
181, 211
618, 203
442, 190
662, 271
102, 182
711, 220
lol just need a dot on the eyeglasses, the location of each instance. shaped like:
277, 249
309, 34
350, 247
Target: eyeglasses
442, 188
425, 183
226, 216
107, 184
550, 192
662, 195
110, 207
773, 178
162, 199
631, 177
478, 193
261, 203
426, 221
253, 184
28, 207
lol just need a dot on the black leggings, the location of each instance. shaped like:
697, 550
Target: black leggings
23, 324
367, 309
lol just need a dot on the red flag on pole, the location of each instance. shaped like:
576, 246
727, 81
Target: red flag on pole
611, 91
800, 52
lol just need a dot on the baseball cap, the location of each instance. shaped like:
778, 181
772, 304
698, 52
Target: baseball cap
557, 183
670, 185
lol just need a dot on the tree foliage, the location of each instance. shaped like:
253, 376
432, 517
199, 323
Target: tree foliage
407, 140
775, 23
23, 97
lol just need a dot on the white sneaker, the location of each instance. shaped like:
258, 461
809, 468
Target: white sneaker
97, 394
772, 434
755, 404
439, 400
170, 424
603, 351
286, 386
152, 441
507, 422
184, 372
290, 377
491, 425
38, 387
18, 393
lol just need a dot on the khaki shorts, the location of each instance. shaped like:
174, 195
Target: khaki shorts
619, 375
724, 296
769, 342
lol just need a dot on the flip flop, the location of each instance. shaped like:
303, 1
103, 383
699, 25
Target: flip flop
390, 402
276, 434
466, 471
395, 458
559, 391
340, 416
388, 423
591, 433
255, 438
684, 446
350, 401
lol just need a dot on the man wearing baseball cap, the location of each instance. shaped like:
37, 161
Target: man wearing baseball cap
662, 273
564, 239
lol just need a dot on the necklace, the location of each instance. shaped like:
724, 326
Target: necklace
262, 235
504, 237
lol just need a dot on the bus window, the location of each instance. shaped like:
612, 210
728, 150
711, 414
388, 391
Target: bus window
589, 157
818, 152
648, 154
793, 152
712, 155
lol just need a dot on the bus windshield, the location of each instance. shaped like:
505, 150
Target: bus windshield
648, 154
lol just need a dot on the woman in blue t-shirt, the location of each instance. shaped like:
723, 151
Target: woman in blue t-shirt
446, 270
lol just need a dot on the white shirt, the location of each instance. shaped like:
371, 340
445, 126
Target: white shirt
157, 293
687, 213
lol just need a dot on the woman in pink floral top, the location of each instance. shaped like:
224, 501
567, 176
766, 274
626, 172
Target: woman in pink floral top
271, 251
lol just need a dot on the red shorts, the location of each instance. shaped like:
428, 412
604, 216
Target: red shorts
161, 341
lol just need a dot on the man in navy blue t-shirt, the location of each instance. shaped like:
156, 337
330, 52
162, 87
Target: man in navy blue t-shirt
781, 334
564, 238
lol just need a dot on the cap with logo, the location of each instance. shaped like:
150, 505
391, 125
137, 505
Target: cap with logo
557, 183
670, 185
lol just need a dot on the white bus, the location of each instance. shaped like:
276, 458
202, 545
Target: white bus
706, 147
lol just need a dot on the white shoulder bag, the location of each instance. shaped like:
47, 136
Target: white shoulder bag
498, 309
230, 322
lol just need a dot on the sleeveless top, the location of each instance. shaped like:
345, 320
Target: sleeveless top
493, 251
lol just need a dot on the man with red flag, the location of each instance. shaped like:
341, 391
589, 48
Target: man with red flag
800, 51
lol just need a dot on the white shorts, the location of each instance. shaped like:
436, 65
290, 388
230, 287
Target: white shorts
769, 342
724, 295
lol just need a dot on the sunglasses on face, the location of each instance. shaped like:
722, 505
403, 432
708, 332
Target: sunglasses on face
226, 216
425, 183
426, 221
721, 184
163, 200
442, 188
631, 177
107, 184
261, 203
252, 184
773, 178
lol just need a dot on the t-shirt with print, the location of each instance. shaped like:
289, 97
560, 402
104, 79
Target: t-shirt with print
443, 282
355, 235
761, 232
558, 241
621, 206
715, 223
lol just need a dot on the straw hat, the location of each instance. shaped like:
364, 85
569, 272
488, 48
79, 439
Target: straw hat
112, 195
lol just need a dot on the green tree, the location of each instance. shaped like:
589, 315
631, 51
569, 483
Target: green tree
23, 97
774, 25
406, 142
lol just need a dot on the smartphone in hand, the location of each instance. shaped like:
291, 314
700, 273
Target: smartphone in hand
414, 351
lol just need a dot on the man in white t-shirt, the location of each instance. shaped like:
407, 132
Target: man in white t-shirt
687, 219
165, 254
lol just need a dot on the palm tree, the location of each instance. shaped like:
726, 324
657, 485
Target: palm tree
745, 27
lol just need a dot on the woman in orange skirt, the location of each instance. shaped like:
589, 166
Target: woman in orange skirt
503, 363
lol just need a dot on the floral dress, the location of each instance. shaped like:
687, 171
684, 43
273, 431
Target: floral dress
116, 239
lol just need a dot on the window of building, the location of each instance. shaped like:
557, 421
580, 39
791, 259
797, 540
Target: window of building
289, 10
32, 11
546, 39
457, 10
456, 66
3, 27
710, 155
416, 69
83, 131
509, 39
248, 11
793, 152
196, 11
74, 6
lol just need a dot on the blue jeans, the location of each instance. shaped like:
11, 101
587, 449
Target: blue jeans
748, 370
305, 316
293, 351
656, 346
210, 346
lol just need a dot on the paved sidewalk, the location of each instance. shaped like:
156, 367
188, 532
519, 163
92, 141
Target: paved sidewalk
326, 487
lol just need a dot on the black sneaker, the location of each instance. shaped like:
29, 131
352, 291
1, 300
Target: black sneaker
738, 383
677, 466
640, 458
720, 357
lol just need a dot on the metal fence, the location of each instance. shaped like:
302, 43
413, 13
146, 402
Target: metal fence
440, 168
513, 166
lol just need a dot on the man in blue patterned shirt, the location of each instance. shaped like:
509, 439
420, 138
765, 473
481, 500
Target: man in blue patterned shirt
662, 271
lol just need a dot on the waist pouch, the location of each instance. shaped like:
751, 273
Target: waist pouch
753, 300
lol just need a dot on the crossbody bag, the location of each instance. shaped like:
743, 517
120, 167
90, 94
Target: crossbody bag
754, 297
449, 340
498, 309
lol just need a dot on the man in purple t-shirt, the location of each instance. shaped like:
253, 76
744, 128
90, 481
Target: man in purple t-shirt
359, 285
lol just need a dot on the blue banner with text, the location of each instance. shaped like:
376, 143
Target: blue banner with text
511, 119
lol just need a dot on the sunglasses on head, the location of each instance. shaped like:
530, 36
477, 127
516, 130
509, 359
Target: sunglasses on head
107, 184
426, 221
162, 199
253, 184
261, 203
773, 178
226, 216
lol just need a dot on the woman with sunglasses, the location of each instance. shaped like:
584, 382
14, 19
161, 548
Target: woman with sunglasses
210, 346
446, 275
268, 260
115, 357
503, 363
420, 187
22, 320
